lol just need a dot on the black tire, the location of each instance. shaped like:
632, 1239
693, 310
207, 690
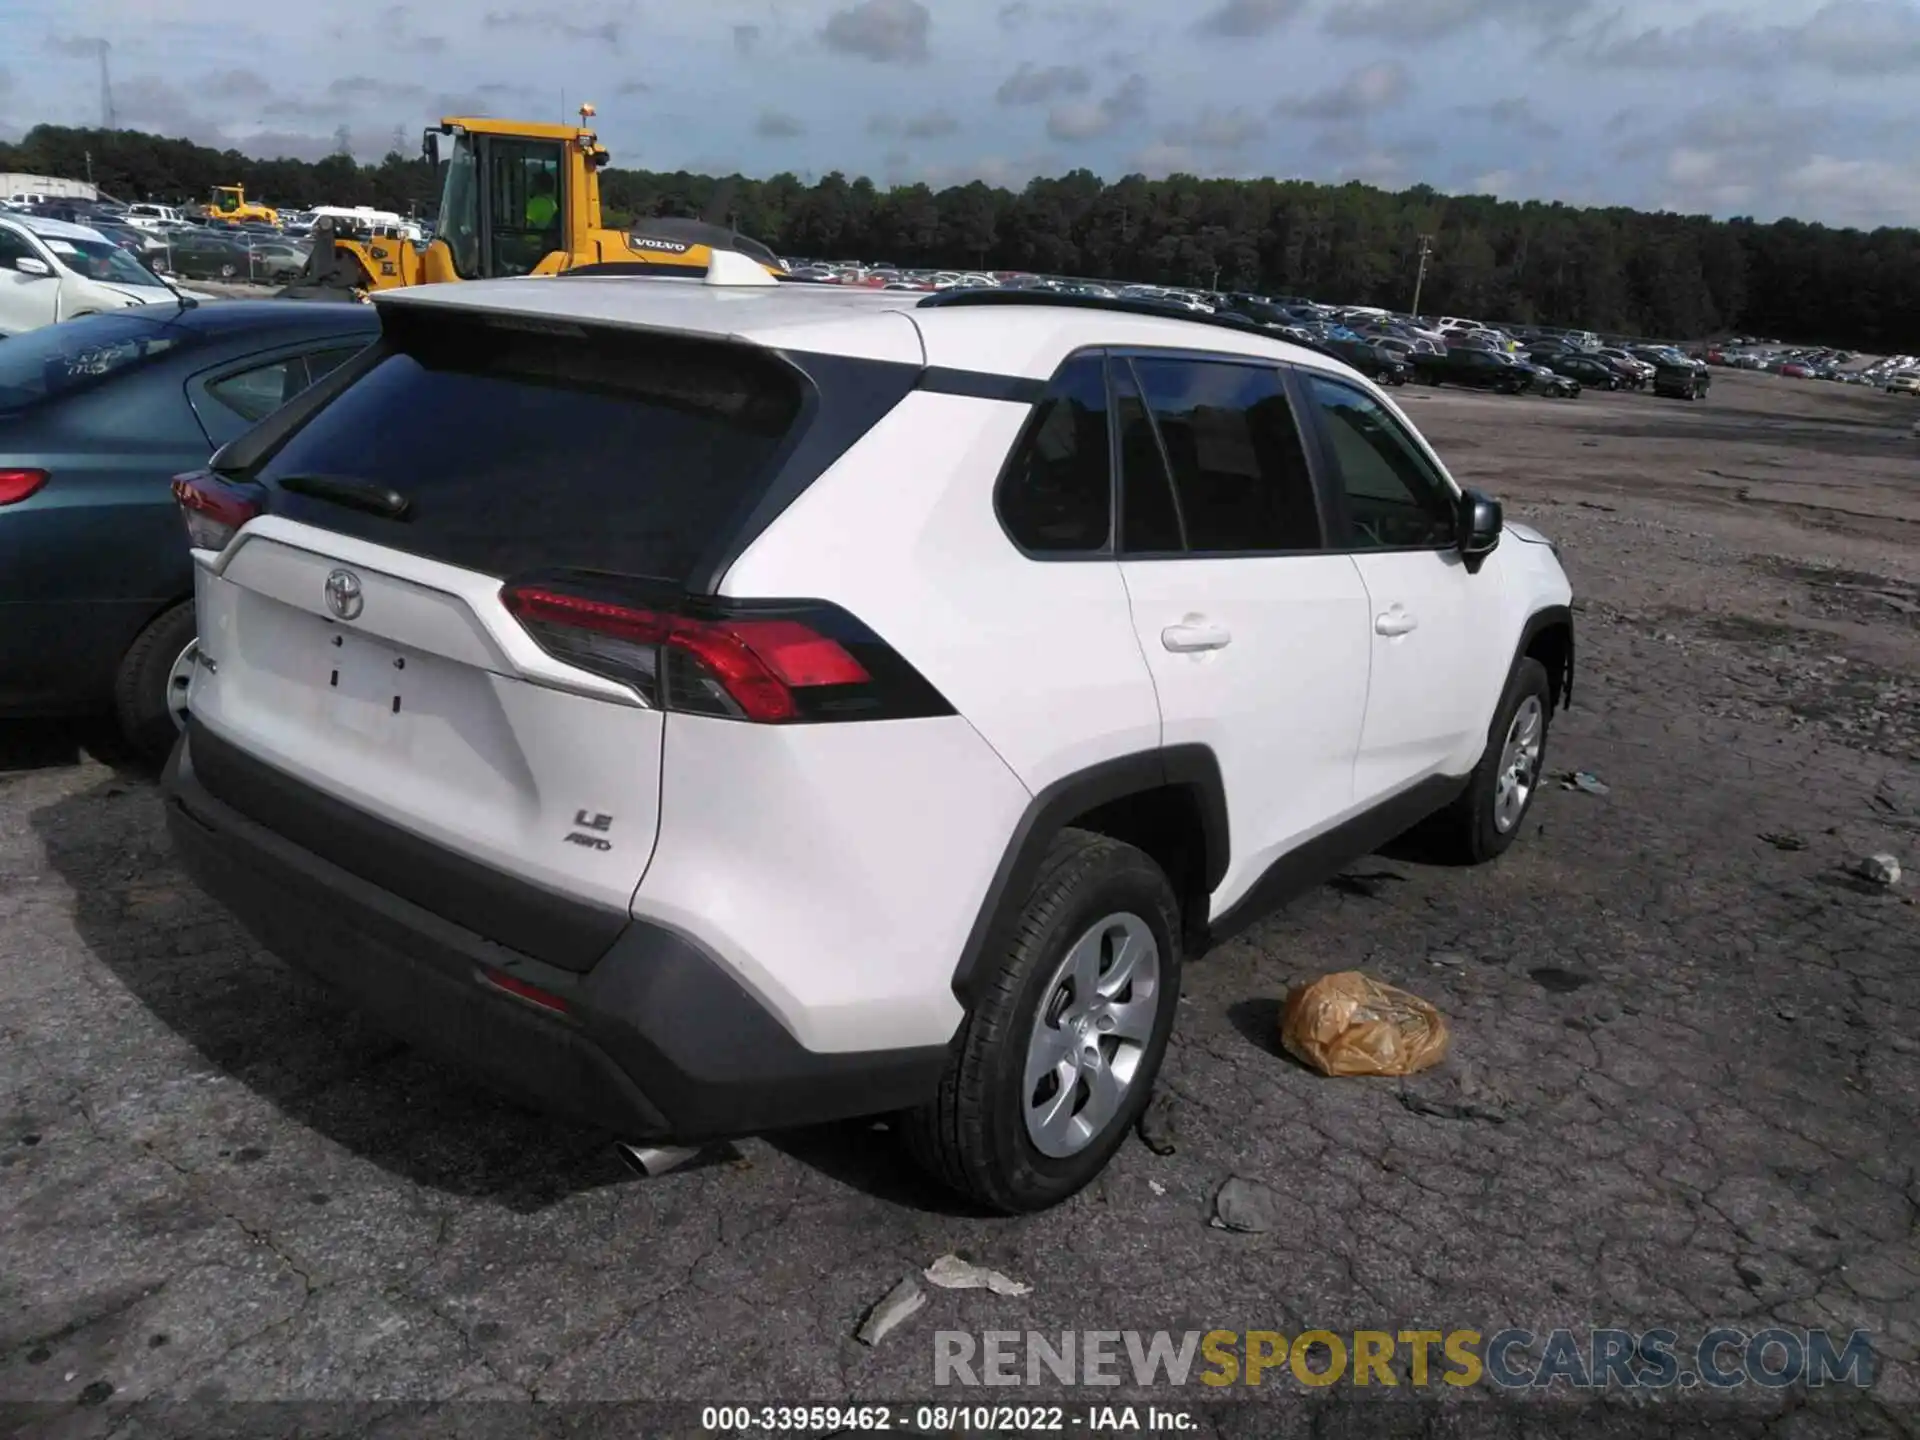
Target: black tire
1466, 832
972, 1136
140, 687
228, 270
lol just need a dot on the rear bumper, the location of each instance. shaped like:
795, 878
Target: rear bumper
657, 1041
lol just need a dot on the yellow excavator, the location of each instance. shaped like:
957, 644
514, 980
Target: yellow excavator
519, 198
230, 202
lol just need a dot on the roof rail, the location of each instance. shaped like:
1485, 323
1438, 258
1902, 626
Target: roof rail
1159, 310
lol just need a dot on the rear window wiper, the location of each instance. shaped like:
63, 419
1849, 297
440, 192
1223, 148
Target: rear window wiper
355, 494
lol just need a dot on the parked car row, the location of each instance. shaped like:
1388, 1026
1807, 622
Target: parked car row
1896, 374
167, 240
1389, 347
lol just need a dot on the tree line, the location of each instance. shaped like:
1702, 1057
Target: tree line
1608, 269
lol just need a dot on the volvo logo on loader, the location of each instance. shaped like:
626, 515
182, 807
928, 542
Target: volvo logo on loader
343, 595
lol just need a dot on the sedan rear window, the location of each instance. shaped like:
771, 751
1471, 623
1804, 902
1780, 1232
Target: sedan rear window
517, 449
59, 360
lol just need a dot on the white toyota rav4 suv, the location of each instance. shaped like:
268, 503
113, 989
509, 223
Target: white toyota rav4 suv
710, 706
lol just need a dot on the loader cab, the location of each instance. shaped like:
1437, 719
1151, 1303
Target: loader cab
491, 212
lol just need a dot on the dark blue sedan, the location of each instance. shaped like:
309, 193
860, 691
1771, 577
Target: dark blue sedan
97, 415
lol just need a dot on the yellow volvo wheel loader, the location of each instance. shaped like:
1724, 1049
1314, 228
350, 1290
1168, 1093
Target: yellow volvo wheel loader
230, 202
519, 198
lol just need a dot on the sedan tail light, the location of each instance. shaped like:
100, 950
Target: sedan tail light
17, 485
214, 509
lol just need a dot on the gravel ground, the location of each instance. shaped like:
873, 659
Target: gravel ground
1683, 1091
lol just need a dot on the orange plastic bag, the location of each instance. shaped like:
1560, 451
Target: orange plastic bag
1352, 1024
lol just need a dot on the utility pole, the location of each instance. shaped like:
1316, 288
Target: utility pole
89, 155
1419, 280
106, 90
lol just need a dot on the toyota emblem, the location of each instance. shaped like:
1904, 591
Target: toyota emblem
343, 595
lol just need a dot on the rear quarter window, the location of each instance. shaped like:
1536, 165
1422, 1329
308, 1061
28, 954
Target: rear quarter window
520, 450
1056, 496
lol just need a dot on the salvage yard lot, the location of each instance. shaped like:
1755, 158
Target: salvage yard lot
1684, 1088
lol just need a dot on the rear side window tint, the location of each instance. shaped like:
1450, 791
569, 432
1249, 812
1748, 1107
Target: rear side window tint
1056, 497
255, 394
1238, 470
520, 450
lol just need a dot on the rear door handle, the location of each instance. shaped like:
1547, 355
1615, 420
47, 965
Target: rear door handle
1184, 639
1394, 621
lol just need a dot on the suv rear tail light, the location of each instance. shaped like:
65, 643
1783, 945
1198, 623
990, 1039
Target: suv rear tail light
214, 509
770, 663
17, 485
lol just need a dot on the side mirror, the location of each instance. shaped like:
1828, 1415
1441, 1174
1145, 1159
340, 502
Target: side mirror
33, 265
430, 148
1478, 527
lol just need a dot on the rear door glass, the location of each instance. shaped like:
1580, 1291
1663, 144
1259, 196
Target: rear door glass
520, 450
1224, 434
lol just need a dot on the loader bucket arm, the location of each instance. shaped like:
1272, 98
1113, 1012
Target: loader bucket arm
332, 272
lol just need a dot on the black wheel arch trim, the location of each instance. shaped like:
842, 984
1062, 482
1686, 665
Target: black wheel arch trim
1548, 618
1192, 767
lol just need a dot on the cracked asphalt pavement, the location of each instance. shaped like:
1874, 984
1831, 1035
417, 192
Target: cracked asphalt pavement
1683, 1090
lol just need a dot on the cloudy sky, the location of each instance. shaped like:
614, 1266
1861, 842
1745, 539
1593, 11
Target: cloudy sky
1760, 107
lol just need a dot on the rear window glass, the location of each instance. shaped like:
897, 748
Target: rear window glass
60, 360
520, 450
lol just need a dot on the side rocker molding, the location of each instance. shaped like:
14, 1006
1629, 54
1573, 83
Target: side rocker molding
1054, 808
1326, 855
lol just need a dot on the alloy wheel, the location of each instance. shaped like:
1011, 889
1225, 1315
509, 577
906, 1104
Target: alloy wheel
1091, 1034
1519, 763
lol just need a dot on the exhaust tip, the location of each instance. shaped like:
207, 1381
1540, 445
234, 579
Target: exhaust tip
653, 1161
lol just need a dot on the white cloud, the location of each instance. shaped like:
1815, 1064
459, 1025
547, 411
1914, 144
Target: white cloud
1867, 38
1401, 22
1091, 121
1215, 130
1247, 19
778, 125
1036, 84
1866, 193
881, 30
1364, 92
